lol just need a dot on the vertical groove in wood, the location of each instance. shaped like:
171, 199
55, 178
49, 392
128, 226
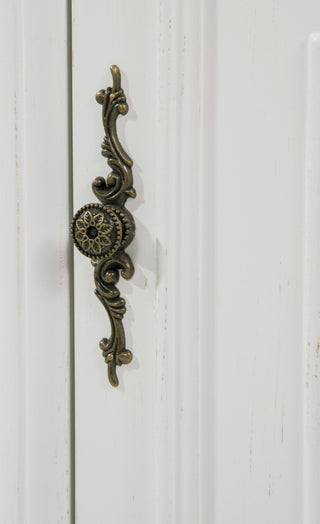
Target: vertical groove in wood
167, 269
181, 141
189, 147
72, 442
206, 232
22, 256
311, 342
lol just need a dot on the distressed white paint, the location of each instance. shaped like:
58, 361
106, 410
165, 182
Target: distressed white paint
35, 304
208, 423
257, 328
257, 333
312, 287
216, 419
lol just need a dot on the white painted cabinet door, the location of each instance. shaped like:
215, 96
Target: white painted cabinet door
216, 419
36, 314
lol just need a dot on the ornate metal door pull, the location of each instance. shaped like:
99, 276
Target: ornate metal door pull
103, 231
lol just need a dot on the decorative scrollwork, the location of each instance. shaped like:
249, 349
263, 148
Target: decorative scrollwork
118, 186
106, 275
103, 231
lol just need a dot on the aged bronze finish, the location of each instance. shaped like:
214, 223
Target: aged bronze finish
103, 231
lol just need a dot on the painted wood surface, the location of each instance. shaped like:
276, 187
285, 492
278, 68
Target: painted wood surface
35, 291
209, 424
116, 428
217, 418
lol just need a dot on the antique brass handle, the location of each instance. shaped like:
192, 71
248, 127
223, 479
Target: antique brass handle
103, 231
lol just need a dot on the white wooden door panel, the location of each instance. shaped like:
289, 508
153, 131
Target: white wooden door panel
217, 133
35, 294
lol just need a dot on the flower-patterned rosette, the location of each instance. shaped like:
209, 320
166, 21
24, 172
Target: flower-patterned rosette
98, 231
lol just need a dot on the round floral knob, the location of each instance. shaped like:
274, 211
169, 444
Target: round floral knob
98, 231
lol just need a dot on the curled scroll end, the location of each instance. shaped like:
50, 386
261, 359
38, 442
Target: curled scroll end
112, 375
115, 71
127, 270
131, 192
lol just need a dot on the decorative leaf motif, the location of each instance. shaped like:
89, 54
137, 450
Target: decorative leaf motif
106, 275
118, 185
87, 218
98, 219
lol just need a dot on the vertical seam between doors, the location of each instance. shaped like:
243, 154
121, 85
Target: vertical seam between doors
71, 267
